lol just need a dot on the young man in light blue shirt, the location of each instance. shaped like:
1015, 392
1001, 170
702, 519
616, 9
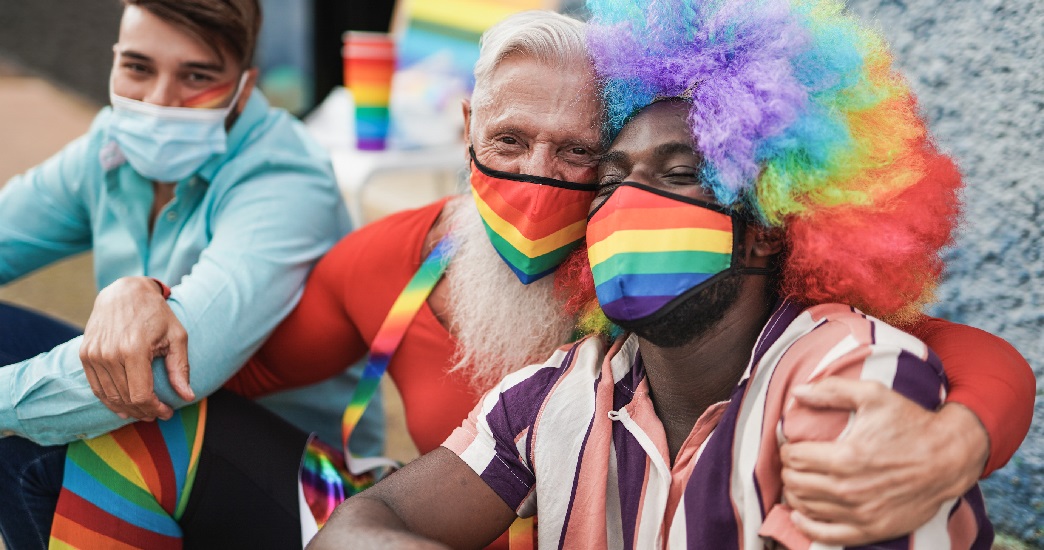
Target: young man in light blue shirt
189, 178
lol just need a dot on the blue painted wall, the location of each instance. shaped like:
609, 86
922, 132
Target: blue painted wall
978, 69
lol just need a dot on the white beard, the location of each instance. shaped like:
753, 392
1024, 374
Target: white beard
500, 324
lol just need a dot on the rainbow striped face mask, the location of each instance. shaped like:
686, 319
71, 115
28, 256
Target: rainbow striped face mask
650, 250
533, 222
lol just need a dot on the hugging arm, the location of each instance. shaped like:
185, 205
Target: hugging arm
901, 461
892, 365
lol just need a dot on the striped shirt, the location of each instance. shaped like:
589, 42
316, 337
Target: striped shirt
578, 438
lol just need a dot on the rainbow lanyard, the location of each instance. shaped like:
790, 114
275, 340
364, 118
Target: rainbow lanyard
384, 344
324, 486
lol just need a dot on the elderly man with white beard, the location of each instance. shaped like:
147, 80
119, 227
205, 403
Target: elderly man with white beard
479, 299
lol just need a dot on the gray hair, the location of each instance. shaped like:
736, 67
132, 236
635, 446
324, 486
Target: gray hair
551, 38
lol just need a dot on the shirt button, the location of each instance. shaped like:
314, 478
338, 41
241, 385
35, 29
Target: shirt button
172, 215
7, 433
81, 436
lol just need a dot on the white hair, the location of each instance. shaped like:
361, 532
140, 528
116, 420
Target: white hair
551, 38
500, 324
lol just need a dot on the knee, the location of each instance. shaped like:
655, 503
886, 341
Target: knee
25, 465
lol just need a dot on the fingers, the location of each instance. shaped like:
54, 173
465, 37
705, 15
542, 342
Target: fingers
142, 397
838, 393
829, 533
177, 365
811, 456
117, 389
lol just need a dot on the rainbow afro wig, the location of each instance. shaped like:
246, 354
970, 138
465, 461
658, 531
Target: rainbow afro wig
801, 119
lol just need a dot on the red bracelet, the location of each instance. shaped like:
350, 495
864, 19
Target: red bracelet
164, 289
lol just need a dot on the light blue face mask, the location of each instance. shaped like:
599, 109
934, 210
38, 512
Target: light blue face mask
168, 144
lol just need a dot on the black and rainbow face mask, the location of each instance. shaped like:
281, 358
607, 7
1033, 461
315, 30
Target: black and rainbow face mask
650, 250
533, 222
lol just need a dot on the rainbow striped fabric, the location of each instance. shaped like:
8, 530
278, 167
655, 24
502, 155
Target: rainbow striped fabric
327, 478
533, 222
128, 488
326, 481
648, 247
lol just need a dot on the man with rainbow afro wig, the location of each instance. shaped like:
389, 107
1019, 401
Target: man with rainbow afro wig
768, 195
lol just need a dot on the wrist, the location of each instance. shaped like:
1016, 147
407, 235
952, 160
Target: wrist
968, 447
164, 289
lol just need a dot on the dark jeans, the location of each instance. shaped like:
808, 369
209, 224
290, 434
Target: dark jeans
245, 493
30, 474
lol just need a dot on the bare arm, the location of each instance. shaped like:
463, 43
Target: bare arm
436, 501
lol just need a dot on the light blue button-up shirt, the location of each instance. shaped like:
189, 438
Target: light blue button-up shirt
235, 244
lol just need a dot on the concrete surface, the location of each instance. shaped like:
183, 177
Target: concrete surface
976, 67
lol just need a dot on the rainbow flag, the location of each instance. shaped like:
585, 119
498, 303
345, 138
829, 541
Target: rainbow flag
128, 488
647, 249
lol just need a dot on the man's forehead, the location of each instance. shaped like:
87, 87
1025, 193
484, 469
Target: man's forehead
529, 93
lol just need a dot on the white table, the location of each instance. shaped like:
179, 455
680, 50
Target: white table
358, 170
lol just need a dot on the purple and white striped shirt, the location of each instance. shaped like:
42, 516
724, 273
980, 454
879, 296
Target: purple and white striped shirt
578, 438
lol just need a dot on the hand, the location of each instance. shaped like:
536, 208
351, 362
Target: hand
889, 473
130, 325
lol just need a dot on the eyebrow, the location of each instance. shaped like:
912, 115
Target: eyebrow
662, 150
612, 157
198, 65
673, 148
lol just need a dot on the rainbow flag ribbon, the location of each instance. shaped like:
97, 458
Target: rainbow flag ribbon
327, 476
128, 488
647, 249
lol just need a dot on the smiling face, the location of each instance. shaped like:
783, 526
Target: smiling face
157, 63
537, 120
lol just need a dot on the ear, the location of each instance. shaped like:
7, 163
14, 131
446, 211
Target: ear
248, 86
768, 241
763, 245
465, 105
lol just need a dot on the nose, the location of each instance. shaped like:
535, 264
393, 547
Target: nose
640, 175
162, 92
539, 161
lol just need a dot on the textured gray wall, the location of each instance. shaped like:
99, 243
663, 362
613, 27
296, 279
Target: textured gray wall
978, 69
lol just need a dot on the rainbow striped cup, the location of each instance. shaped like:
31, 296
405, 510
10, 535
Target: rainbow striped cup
369, 64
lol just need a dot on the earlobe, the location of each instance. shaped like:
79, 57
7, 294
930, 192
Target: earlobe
465, 105
768, 241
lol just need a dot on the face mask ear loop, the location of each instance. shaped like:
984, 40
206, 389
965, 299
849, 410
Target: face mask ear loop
239, 91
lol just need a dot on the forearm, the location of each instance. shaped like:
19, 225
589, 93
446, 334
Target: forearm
991, 379
47, 399
363, 522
